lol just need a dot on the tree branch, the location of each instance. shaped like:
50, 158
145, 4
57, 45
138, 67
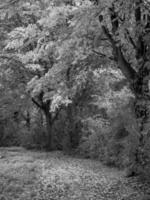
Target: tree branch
131, 39
102, 55
124, 66
36, 103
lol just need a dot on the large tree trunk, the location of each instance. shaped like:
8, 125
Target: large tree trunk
49, 134
142, 113
44, 106
141, 90
28, 120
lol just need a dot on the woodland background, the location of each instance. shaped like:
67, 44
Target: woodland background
74, 76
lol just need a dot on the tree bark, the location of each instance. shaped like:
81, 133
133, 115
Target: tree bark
49, 136
49, 121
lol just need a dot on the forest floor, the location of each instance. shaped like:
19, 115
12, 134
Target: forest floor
31, 175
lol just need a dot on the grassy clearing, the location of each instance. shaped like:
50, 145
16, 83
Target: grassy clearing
26, 175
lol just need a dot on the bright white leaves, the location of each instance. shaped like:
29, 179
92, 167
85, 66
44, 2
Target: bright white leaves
54, 17
34, 67
59, 100
18, 37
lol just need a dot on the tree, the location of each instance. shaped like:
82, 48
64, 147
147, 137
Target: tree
32, 45
125, 25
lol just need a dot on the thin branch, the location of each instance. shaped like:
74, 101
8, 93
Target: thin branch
102, 55
99, 53
126, 66
109, 36
36, 103
131, 39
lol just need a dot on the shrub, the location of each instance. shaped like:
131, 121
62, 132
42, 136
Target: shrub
112, 141
34, 138
9, 134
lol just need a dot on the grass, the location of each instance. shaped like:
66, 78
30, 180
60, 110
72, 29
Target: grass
29, 175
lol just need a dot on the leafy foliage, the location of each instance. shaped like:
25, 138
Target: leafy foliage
81, 68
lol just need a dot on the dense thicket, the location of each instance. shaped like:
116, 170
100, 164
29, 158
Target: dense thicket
74, 75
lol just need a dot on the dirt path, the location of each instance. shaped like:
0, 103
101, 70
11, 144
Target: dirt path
26, 175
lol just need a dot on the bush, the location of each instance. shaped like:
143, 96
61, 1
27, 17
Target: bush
33, 139
112, 141
93, 140
9, 134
